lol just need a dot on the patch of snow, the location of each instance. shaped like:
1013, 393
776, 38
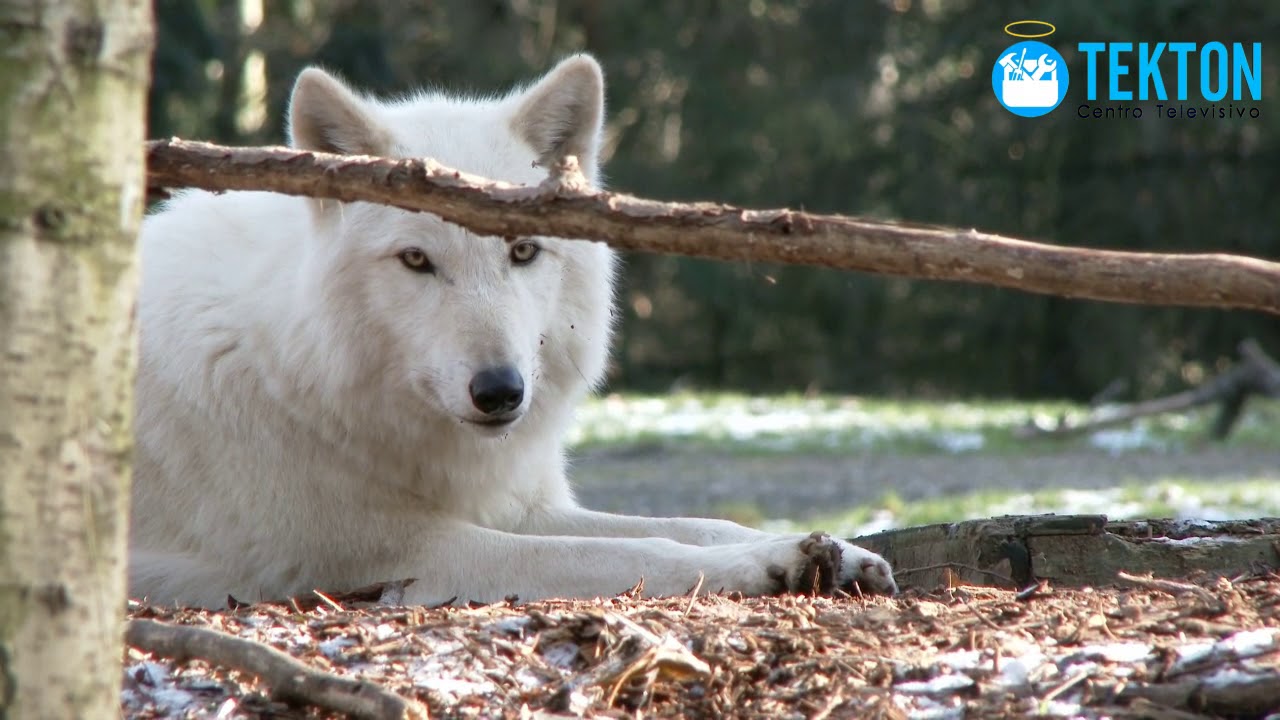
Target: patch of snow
579, 703
921, 707
1244, 644
511, 625
291, 636
1127, 652
149, 673
561, 655
1120, 440
1222, 539
130, 697
1250, 643
781, 423
880, 521
1188, 525
453, 689
1190, 654
528, 679
960, 660
1076, 668
1089, 502
960, 442
1020, 670
1231, 676
1068, 502
172, 699
440, 646
332, 647
937, 686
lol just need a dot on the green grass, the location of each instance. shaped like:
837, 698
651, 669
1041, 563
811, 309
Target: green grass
794, 425
1171, 497
828, 424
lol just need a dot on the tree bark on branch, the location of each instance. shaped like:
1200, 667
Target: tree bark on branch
291, 680
564, 206
73, 85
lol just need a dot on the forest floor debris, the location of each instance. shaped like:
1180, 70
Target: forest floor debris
1131, 650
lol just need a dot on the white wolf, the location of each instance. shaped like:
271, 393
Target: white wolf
332, 395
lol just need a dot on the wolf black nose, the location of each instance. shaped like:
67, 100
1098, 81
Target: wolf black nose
497, 390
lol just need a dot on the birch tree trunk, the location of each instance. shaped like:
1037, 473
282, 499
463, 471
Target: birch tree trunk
73, 81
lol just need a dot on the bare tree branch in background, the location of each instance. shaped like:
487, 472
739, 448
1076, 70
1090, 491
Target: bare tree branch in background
564, 206
1255, 374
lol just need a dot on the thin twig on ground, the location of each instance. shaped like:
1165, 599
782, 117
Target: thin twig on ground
985, 620
898, 572
693, 595
1173, 588
291, 681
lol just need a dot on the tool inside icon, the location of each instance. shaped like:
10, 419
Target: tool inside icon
1029, 82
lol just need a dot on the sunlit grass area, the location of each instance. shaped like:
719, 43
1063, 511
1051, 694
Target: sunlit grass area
1129, 471
1171, 498
798, 424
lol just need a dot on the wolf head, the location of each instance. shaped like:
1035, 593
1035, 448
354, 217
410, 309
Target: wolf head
478, 331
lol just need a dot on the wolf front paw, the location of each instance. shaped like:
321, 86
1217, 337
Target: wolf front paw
825, 564
868, 571
805, 564
816, 569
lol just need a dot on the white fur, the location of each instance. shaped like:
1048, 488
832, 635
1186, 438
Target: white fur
303, 414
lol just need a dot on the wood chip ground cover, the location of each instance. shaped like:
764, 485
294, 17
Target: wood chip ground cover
1123, 651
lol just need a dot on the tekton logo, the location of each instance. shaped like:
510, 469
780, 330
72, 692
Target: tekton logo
1030, 78
1234, 71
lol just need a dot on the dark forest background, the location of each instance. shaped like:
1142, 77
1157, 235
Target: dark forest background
881, 108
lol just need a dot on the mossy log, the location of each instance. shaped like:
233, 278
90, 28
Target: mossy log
1019, 551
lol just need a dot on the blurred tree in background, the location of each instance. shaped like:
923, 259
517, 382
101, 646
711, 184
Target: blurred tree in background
880, 108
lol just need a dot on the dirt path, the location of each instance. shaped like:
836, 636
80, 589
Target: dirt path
665, 481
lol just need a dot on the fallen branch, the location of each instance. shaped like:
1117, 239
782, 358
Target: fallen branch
1255, 374
564, 207
1236, 694
291, 681
1175, 588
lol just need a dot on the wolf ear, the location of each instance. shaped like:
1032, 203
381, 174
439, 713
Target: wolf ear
562, 114
326, 116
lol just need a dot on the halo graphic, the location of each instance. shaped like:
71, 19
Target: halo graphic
1042, 23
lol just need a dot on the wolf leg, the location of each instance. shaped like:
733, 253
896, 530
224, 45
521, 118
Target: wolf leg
858, 565
459, 561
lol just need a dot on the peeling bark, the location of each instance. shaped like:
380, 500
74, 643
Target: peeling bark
73, 86
290, 680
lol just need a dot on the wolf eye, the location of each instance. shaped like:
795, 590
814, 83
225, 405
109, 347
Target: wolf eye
416, 260
524, 252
